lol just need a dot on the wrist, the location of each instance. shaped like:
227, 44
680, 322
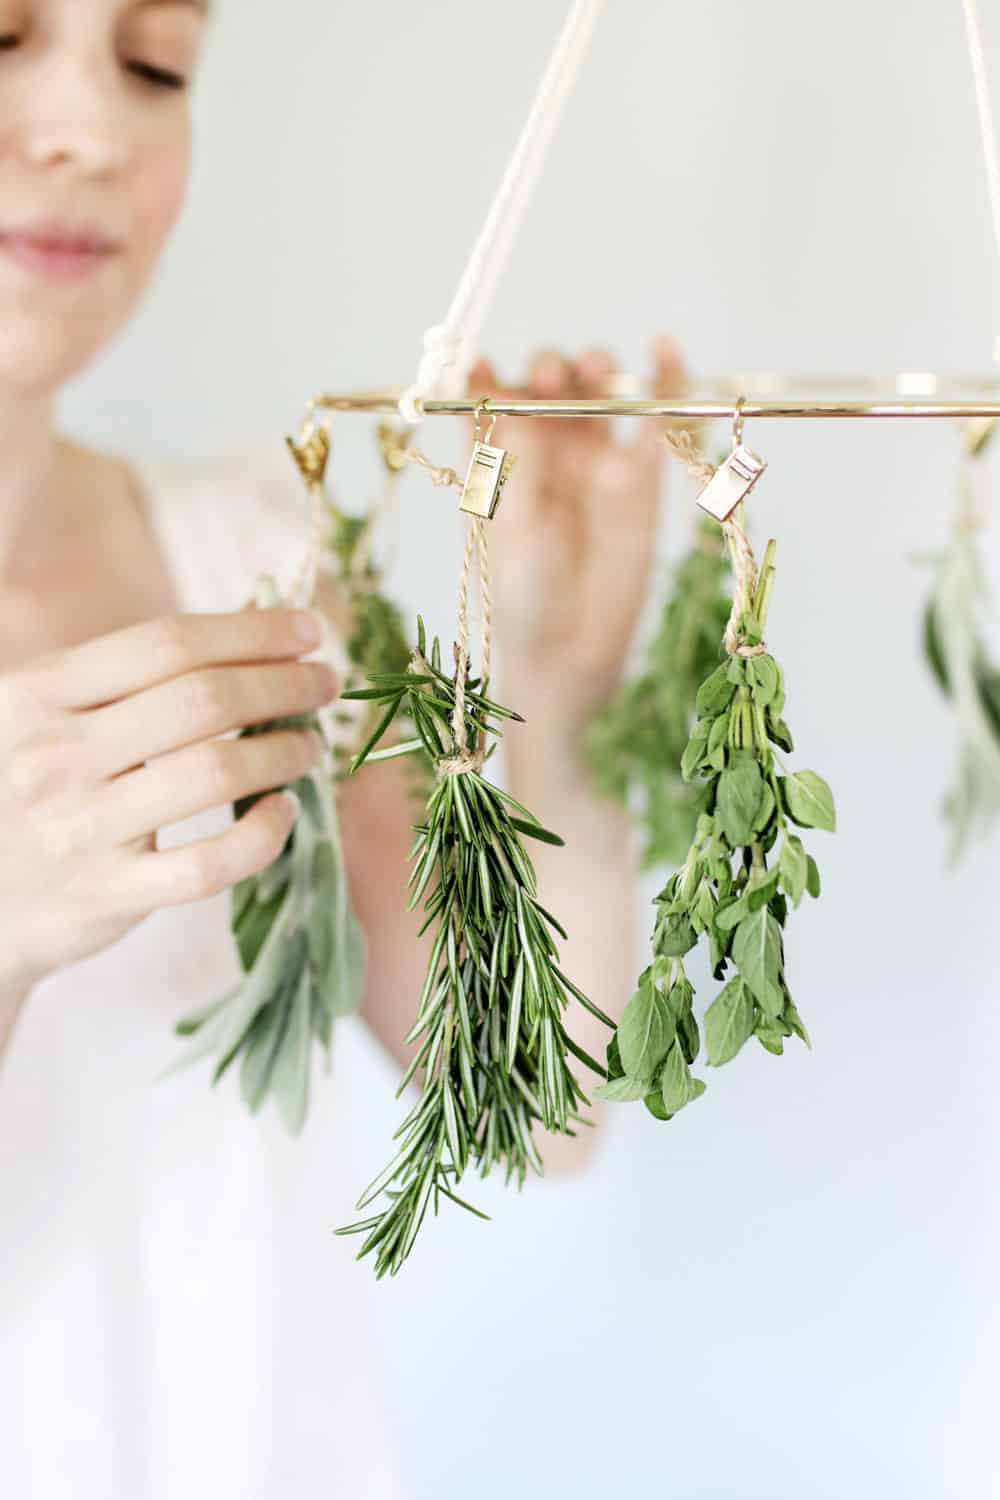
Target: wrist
14, 991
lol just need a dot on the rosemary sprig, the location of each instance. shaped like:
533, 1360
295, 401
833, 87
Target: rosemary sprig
300, 946
634, 745
725, 890
492, 1051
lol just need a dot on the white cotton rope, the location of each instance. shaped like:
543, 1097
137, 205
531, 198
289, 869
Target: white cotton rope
991, 158
449, 346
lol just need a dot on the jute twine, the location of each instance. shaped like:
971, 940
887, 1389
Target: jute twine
682, 444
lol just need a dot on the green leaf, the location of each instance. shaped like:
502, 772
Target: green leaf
809, 800
676, 1083
714, 693
694, 751
740, 790
728, 917
645, 1032
729, 1022
771, 1037
675, 936
757, 954
622, 1089
792, 864
654, 1103
763, 672
812, 877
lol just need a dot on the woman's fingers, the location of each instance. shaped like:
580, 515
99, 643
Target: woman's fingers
668, 378
194, 872
202, 705
130, 660
211, 774
592, 373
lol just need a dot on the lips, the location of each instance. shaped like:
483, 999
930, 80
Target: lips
57, 249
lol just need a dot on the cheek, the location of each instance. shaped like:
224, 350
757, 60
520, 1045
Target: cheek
160, 180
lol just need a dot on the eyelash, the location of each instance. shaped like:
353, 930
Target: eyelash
157, 77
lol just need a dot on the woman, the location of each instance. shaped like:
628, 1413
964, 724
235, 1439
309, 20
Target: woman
174, 1316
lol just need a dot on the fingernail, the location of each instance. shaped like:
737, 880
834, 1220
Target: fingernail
294, 801
307, 627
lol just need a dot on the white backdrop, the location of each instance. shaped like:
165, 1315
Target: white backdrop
789, 1292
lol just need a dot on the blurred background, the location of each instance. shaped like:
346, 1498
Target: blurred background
788, 1293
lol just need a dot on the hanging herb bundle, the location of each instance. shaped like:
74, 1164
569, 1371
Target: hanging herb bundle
634, 746
299, 943
958, 657
491, 1046
300, 947
376, 638
743, 870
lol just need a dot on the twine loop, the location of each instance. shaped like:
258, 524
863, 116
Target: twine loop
682, 444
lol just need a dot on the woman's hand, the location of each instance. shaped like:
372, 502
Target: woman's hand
104, 743
573, 536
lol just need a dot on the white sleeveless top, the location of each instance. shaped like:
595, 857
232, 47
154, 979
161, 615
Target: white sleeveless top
177, 1319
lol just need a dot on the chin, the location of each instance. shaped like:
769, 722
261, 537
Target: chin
39, 353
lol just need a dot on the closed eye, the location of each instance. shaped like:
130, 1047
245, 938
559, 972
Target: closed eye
159, 77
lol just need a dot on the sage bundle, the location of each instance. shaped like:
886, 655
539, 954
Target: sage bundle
743, 871
634, 745
299, 944
956, 651
492, 1050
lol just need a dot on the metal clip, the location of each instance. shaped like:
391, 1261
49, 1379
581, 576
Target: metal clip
731, 483
312, 451
488, 472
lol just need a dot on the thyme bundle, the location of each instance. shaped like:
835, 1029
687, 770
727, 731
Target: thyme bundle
492, 1048
737, 882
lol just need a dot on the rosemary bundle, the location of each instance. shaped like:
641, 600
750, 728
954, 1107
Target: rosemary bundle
960, 662
736, 882
300, 947
634, 745
492, 1049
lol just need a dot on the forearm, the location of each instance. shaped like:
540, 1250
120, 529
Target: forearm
588, 885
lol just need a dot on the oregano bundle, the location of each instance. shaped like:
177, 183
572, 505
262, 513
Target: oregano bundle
744, 871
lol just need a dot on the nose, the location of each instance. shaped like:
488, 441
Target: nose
74, 118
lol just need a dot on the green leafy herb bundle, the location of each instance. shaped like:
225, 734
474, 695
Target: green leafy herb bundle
744, 869
634, 745
492, 1049
300, 947
960, 662
376, 637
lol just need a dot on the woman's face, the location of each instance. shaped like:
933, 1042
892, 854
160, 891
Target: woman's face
95, 139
